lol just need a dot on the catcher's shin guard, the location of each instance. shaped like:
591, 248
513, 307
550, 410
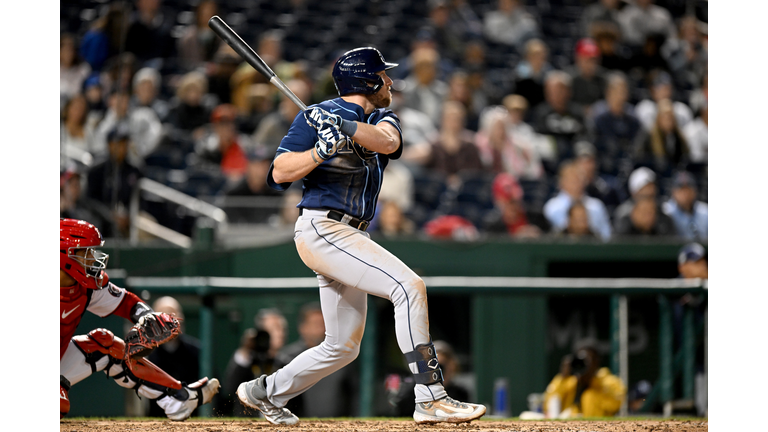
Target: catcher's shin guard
141, 375
64, 395
425, 357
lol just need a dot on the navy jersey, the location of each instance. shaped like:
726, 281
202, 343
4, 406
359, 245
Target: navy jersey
350, 181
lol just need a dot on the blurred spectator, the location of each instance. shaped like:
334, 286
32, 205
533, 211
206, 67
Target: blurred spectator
453, 152
637, 396
198, 43
572, 185
665, 146
146, 87
254, 184
179, 357
273, 127
642, 18
601, 11
465, 18
220, 71
188, 112
641, 184
449, 36
473, 100
452, 227
696, 136
451, 367
397, 185
509, 215
330, 397
531, 72
613, 56
583, 388
77, 134
390, 220
224, 146
509, 23
250, 359
418, 130
105, 36
118, 73
149, 33
692, 262
424, 91
521, 132
94, 96
647, 110
558, 117
578, 222
687, 54
499, 152
615, 129
270, 49
144, 128
113, 181
645, 219
698, 98
74, 205
648, 61
73, 70
601, 186
588, 80
690, 215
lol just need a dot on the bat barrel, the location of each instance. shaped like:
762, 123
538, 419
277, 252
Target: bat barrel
238, 44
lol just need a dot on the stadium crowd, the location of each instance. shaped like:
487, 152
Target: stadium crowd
569, 118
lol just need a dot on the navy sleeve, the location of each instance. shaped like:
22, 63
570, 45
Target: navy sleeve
300, 138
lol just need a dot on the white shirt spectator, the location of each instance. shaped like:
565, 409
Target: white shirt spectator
646, 111
695, 134
556, 212
509, 27
637, 22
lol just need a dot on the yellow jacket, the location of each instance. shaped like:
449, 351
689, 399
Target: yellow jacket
602, 398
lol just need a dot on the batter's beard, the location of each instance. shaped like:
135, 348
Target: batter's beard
381, 99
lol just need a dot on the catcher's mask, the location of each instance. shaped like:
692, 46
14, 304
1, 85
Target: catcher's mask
79, 257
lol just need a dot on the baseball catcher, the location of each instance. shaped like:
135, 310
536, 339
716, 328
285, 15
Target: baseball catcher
85, 286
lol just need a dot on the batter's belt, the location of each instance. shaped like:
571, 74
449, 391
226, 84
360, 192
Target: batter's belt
336, 215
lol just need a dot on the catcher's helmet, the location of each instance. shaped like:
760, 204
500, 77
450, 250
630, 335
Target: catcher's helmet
87, 269
355, 71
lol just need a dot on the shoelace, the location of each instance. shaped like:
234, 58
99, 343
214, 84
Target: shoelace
455, 403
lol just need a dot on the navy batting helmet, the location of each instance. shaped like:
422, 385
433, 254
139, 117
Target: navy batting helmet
355, 71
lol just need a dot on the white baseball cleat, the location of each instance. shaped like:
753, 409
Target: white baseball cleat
200, 393
253, 394
447, 410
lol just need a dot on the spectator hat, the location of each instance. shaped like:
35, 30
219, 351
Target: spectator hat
691, 252
147, 73
92, 80
506, 188
587, 48
683, 179
639, 178
224, 113
118, 133
68, 175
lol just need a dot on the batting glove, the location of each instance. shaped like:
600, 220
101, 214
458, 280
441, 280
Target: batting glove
317, 117
329, 140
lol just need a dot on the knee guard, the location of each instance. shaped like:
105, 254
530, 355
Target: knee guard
425, 358
64, 395
129, 373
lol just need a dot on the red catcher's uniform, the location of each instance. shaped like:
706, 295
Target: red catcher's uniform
76, 299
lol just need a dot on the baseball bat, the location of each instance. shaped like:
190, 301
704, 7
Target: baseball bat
249, 55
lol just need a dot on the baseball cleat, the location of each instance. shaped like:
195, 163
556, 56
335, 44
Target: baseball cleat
253, 394
200, 393
447, 410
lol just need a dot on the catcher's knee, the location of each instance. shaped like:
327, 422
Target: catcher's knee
99, 344
425, 357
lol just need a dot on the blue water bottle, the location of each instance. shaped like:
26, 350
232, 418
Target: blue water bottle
501, 397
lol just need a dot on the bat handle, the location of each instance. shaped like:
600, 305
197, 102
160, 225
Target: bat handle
277, 82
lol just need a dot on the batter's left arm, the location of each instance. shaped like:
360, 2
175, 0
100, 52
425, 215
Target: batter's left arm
381, 138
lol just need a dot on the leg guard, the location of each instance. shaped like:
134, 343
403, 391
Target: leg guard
64, 395
425, 358
141, 375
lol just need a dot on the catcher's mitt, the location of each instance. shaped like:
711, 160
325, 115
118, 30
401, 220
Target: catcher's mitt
151, 331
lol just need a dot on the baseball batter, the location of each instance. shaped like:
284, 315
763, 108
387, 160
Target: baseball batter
339, 149
85, 286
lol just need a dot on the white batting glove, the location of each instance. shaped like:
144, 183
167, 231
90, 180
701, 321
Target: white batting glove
317, 117
329, 140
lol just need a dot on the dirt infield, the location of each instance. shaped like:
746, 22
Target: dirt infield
78, 425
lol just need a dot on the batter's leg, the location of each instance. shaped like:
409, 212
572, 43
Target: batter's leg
350, 257
344, 309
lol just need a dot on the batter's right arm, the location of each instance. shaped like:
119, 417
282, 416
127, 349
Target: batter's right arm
292, 166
